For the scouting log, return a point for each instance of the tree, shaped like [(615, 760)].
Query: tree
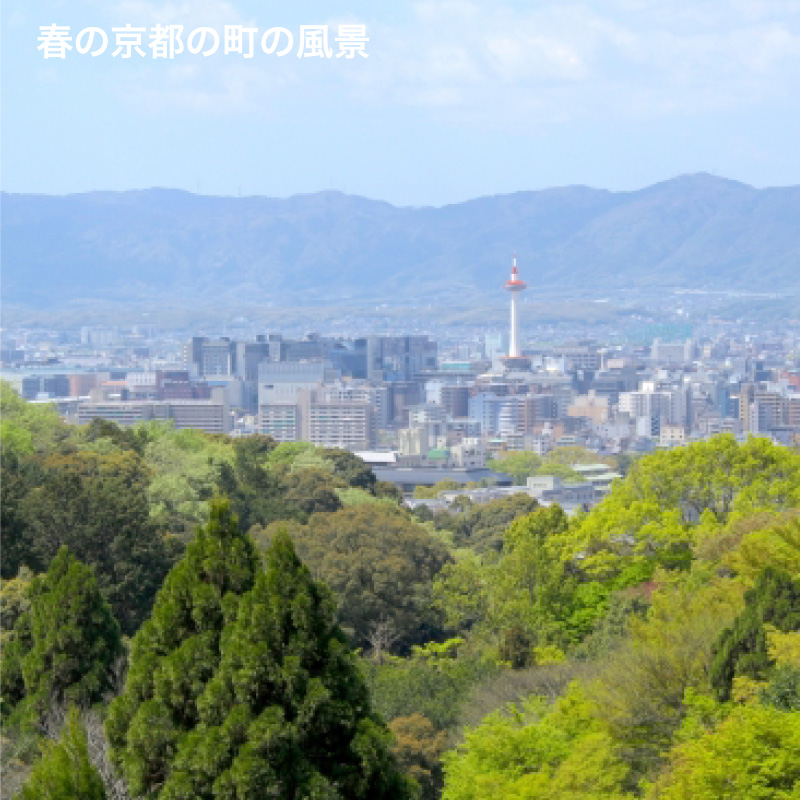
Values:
[(754, 753), (96, 504), (742, 648), (461, 593), (185, 469), (64, 771), (287, 713), (774, 541), (385, 489), (574, 454), (310, 491), (671, 499), (537, 752), (518, 465), (639, 690), (482, 527), (15, 540), (380, 565), (175, 653), (14, 599), (432, 492), (255, 485), (783, 690), (433, 681), (350, 468), (528, 587), (28, 428), (64, 649), (558, 470), (418, 748), (123, 438)]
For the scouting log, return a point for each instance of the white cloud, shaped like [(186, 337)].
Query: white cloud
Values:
[(581, 59), (485, 62)]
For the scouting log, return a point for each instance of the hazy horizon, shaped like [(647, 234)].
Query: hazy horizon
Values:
[(555, 187)]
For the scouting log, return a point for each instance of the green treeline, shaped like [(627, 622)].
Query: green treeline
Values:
[(187, 615)]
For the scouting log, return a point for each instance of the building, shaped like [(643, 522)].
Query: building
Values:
[(399, 358), (331, 423), (515, 285), (281, 421), (212, 416)]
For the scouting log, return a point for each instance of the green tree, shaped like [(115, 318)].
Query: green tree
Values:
[(742, 648), (15, 539), (123, 438), (350, 468), (64, 648), (175, 653), (15, 599), (28, 428), (380, 565), (559, 470), (310, 491), (185, 467), (255, 482), (385, 489), (639, 689), (286, 713), (482, 527), (783, 690), (432, 492), (529, 585), (64, 771), (754, 753), (461, 592), (573, 455), (519, 465), (96, 504), (537, 751), (433, 681), (774, 541), (671, 499)]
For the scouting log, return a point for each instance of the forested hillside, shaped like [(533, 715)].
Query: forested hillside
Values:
[(193, 616), (159, 245)]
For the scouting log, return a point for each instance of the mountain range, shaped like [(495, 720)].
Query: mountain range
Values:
[(159, 246)]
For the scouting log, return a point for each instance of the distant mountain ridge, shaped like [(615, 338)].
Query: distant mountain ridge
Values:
[(163, 245)]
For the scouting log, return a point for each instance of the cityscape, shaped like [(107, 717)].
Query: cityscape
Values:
[(400, 401), (420, 409)]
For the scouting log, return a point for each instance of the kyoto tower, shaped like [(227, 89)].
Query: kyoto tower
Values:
[(514, 285)]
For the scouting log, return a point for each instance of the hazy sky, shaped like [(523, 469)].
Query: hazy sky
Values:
[(457, 99)]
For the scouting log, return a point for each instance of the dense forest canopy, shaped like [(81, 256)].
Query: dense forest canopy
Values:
[(189, 615)]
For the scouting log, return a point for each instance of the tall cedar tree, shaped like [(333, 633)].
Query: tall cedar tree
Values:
[(742, 648), (64, 648), (287, 713), (176, 652), (64, 772)]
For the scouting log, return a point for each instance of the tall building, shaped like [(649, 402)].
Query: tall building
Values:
[(399, 358), (349, 425), (514, 285), (205, 357)]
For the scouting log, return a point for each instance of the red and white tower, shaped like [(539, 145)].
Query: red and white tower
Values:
[(514, 285)]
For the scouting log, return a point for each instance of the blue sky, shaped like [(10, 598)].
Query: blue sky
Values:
[(458, 99)]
